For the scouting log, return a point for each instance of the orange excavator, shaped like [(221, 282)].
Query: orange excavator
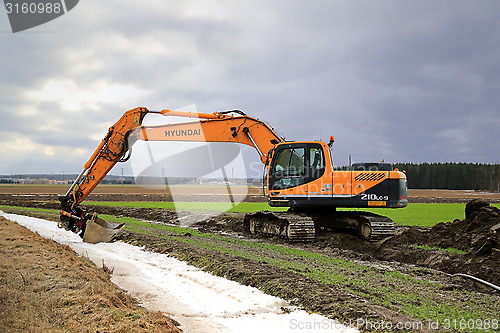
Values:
[(299, 175)]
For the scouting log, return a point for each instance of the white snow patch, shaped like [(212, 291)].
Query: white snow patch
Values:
[(199, 301)]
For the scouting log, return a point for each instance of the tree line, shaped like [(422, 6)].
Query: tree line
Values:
[(452, 176)]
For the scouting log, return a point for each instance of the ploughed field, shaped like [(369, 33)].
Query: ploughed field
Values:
[(407, 279)]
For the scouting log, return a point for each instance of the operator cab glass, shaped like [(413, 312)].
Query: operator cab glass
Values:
[(296, 164)]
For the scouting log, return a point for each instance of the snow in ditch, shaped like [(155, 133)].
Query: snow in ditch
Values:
[(199, 301)]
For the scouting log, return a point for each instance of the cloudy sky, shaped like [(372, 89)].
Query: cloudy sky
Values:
[(400, 80)]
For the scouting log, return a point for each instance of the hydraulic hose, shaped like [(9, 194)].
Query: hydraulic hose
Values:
[(241, 113), (486, 283)]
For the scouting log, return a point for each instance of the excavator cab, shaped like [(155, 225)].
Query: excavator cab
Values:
[(301, 174)]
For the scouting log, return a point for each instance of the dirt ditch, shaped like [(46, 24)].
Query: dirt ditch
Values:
[(477, 238)]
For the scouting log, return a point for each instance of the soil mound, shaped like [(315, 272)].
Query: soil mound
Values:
[(478, 236), (478, 233)]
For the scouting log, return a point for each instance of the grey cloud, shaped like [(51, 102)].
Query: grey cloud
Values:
[(401, 80)]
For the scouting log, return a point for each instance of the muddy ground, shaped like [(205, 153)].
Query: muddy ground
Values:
[(415, 252), (409, 246)]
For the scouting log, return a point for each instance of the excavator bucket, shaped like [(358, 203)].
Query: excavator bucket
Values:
[(97, 230)]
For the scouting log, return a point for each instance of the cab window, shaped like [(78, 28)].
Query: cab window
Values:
[(317, 163), (290, 162), (294, 166)]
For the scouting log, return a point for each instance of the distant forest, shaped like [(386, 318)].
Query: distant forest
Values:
[(452, 176)]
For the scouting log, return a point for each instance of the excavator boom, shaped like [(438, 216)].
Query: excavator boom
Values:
[(217, 127)]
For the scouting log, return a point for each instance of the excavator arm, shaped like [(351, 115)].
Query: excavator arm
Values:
[(110, 151), (226, 126)]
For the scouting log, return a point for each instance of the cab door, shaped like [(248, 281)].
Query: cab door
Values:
[(299, 170), (288, 170), (319, 179)]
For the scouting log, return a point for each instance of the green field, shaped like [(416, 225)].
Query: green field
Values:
[(417, 214), (243, 207)]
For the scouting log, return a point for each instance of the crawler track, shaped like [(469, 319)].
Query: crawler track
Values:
[(381, 227), (301, 227), (294, 227), (368, 226)]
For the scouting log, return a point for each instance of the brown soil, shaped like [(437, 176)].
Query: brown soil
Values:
[(45, 286), (134, 189), (478, 236), (451, 196)]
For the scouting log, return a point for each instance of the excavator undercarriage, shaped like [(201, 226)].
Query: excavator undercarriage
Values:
[(297, 225)]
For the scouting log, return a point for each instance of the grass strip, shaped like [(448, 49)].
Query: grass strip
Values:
[(430, 248), (242, 207)]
